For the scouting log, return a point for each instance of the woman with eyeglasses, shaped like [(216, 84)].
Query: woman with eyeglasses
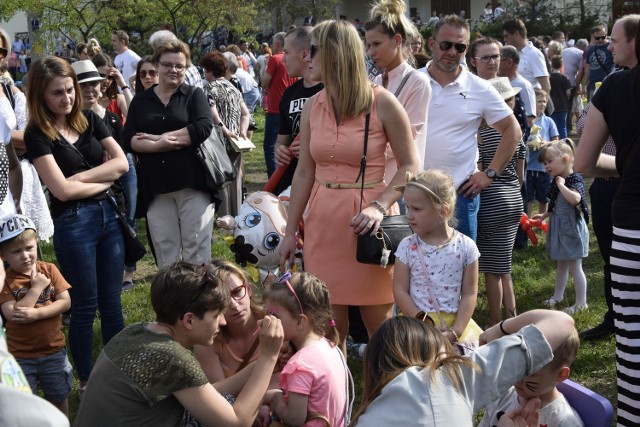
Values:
[(146, 74), (66, 145), (386, 39), (327, 183), (148, 376), (236, 345), (164, 126)]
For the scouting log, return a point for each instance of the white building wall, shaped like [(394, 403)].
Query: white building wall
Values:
[(17, 24)]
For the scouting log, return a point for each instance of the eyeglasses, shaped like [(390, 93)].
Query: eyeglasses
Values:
[(488, 58), (313, 50), (3, 51), (151, 73), (446, 45), (169, 66), (209, 279), (239, 292), (600, 38), (285, 279)]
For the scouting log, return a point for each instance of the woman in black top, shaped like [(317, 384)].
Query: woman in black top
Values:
[(164, 126), (66, 146)]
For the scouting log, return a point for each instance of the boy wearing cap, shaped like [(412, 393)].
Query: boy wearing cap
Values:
[(33, 299)]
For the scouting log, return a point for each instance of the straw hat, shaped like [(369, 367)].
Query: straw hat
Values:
[(504, 88), (86, 71)]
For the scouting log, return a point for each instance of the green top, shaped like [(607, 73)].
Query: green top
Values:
[(133, 381)]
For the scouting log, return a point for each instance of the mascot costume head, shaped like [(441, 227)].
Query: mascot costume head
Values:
[(257, 232)]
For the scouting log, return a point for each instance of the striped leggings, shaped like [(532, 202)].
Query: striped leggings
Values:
[(625, 276)]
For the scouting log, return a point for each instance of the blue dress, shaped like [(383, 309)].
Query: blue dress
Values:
[(568, 235)]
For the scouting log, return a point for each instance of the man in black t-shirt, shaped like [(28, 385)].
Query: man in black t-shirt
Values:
[(297, 47)]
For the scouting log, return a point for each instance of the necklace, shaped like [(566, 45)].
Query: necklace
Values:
[(431, 248)]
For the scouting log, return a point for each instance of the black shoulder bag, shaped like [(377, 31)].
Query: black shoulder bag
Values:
[(379, 247)]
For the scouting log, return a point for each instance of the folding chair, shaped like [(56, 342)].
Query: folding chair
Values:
[(595, 410)]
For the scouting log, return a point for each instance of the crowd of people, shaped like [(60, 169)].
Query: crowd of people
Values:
[(462, 143)]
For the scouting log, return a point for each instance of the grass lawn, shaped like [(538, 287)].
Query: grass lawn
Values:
[(533, 274)]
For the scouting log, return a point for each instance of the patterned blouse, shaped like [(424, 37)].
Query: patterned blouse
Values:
[(227, 100)]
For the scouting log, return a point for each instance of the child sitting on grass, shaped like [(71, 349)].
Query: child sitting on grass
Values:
[(554, 408), (33, 299)]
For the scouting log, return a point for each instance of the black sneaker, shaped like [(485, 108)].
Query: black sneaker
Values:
[(599, 332)]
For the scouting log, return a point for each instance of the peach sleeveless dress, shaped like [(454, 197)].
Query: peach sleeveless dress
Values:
[(329, 242)]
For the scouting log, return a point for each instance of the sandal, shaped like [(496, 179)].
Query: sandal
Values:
[(551, 302)]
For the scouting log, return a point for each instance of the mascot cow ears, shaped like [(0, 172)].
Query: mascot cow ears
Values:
[(258, 230)]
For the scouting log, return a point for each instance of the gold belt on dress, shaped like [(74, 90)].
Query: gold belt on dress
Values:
[(343, 185)]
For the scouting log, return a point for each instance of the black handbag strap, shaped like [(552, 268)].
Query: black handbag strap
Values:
[(363, 160), (403, 82)]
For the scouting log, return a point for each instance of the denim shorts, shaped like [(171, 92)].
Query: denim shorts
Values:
[(53, 373), (538, 184)]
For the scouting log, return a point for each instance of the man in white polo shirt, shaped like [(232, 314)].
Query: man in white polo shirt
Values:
[(460, 100), (533, 66)]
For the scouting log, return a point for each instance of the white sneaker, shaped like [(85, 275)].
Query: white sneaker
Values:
[(576, 308), (551, 302)]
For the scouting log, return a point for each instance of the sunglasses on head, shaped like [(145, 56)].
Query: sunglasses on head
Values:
[(151, 73), (209, 280), (600, 38), (446, 45)]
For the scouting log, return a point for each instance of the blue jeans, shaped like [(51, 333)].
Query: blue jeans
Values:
[(251, 98), (53, 373), (467, 215), (89, 247), (129, 183), (271, 128), (560, 119)]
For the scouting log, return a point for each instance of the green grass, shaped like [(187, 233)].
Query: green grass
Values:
[(533, 275)]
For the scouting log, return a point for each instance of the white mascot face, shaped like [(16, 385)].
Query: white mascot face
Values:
[(259, 229)]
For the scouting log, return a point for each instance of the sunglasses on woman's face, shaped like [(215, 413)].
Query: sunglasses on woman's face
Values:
[(313, 50), (150, 73), (3, 52), (105, 77)]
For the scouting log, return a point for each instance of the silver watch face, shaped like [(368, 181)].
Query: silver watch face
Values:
[(491, 173)]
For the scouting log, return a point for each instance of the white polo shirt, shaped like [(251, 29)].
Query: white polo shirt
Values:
[(455, 114), (532, 64), (527, 95)]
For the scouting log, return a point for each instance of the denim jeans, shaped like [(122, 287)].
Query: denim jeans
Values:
[(560, 119), (89, 247), (467, 215), (251, 99), (129, 183), (271, 128)]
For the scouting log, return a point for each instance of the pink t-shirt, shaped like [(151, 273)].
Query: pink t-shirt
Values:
[(318, 371)]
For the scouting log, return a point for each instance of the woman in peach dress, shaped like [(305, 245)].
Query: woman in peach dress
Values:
[(326, 180)]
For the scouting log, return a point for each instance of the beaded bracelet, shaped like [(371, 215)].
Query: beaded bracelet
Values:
[(376, 204)]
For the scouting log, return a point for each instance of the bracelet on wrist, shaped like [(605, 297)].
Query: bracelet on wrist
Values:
[(376, 204), (125, 87), (502, 328), (454, 334)]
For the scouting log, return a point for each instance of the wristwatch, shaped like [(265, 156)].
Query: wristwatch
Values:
[(491, 173)]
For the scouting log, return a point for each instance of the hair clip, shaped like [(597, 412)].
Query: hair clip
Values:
[(332, 323), (285, 276)]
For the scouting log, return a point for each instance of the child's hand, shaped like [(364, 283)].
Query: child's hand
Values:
[(264, 417), (493, 333), (38, 280), (25, 314), (278, 405), (540, 217), (559, 180)]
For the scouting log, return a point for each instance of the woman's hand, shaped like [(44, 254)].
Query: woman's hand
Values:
[(117, 76), (525, 415), (367, 221), (271, 336), (287, 251)]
